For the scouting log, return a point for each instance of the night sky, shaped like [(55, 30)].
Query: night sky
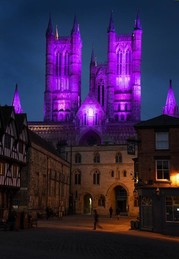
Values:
[(22, 45)]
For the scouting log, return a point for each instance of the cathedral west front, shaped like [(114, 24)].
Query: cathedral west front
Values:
[(92, 134)]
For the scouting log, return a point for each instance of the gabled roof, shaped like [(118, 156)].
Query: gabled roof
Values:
[(6, 113), (90, 101), (160, 121)]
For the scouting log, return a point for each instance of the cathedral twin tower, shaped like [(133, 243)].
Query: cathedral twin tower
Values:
[(114, 96)]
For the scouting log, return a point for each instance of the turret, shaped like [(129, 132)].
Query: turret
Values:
[(16, 101), (76, 63), (111, 65), (136, 65), (92, 72), (49, 71), (171, 107)]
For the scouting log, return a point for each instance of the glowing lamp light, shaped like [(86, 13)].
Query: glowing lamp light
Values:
[(90, 112)]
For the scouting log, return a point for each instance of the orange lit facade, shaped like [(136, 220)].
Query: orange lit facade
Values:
[(157, 174)]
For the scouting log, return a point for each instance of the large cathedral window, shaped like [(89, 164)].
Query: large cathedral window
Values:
[(119, 62), (101, 92), (128, 62), (58, 63), (66, 67)]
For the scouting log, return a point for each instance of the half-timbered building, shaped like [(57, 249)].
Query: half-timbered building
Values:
[(14, 141)]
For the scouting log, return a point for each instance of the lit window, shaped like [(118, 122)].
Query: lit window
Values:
[(172, 208), (162, 140), (162, 170)]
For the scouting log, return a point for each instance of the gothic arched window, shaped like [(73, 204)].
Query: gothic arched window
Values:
[(101, 201), (128, 62), (58, 63), (66, 67), (118, 157), (101, 93), (119, 62), (96, 177)]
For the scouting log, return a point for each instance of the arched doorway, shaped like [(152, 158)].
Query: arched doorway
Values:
[(120, 199), (87, 204)]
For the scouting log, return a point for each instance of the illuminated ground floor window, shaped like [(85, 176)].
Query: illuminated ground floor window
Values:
[(172, 208)]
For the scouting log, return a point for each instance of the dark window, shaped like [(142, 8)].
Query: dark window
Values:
[(78, 158), (96, 158), (21, 145), (7, 142), (118, 158), (96, 178), (78, 178)]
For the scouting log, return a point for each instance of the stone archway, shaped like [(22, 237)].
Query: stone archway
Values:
[(87, 204), (120, 199)]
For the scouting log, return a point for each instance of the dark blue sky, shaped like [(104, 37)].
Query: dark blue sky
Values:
[(22, 45)]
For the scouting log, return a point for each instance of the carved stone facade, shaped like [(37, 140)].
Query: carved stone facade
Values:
[(102, 176)]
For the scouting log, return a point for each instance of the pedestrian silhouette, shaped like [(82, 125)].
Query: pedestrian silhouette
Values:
[(96, 220), (110, 212)]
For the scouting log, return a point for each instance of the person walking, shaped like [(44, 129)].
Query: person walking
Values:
[(110, 212), (96, 219)]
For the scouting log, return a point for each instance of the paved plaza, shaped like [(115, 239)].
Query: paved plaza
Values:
[(73, 237)]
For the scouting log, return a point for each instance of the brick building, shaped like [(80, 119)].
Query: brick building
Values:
[(157, 174)]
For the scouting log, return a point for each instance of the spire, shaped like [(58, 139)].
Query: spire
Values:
[(16, 101), (49, 30), (171, 107), (56, 33), (75, 28), (111, 27), (93, 59), (137, 25)]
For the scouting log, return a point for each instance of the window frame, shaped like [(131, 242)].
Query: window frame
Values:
[(161, 140), (163, 170)]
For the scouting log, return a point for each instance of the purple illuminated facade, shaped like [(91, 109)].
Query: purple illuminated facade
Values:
[(16, 101), (63, 74), (113, 104), (171, 107)]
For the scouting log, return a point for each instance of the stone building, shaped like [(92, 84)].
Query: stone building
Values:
[(102, 176), (45, 180), (104, 119)]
